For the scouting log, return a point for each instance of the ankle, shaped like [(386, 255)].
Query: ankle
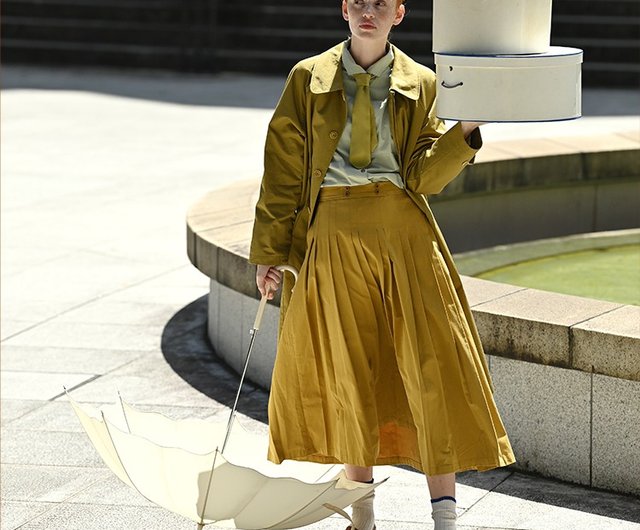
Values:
[(443, 513), (362, 511)]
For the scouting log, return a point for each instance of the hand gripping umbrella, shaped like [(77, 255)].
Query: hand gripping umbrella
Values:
[(180, 466)]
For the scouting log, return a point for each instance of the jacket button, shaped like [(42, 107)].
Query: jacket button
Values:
[(317, 173), (333, 135)]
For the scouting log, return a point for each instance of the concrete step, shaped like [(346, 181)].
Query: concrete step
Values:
[(269, 37), (133, 32), (595, 27), (92, 54), (144, 11), (596, 7)]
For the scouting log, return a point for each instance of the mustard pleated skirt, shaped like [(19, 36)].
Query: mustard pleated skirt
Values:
[(376, 363)]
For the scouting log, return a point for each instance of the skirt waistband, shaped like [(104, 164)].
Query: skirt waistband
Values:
[(332, 193)]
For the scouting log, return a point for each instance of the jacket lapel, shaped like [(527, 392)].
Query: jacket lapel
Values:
[(404, 75), (327, 73)]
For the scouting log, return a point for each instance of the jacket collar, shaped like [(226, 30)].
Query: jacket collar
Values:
[(327, 73)]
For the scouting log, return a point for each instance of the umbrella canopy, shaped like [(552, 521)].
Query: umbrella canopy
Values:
[(177, 464)]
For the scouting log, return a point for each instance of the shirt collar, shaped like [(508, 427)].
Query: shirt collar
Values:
[(327, 75), (376, 69)]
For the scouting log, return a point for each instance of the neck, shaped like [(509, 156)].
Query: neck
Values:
[(366, 53)]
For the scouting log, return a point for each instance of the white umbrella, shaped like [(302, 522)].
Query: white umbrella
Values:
[(180, 465)]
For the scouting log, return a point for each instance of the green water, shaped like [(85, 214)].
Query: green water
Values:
[(606, 274)]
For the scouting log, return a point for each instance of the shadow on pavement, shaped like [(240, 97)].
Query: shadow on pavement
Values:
[(186, 348)]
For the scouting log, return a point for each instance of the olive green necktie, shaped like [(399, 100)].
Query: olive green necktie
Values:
[(364, 137)]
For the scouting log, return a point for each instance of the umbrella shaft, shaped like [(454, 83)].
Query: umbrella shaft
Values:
[(235, 404)]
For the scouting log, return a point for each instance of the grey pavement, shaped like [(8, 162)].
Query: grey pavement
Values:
[(98, 170)]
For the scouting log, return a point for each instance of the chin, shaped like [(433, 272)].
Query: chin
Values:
[(367, 33)]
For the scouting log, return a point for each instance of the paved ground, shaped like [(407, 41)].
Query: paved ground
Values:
[(98, 170)]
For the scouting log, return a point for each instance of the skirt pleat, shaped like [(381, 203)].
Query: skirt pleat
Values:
[(376, 362)]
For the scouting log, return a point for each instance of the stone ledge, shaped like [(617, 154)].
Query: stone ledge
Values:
[(555, 329), (609, 344), (536, 162)]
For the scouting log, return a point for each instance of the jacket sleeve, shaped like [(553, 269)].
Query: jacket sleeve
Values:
[(281, 188), (439, 156)]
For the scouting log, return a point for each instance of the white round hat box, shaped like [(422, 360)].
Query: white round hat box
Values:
[(510, 88), (479, 27)]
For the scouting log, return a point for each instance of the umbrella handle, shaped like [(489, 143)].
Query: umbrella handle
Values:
[(263, 300), (253, 331)]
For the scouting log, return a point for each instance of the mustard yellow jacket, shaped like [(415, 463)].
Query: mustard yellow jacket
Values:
[(304, 133)]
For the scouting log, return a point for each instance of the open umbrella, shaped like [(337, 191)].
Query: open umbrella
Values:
[(180, 465)]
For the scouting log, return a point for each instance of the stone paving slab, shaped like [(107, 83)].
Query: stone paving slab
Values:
[(24, 257), (108, 311), (34, 310), (39, 385), (562, 494), (505, 511), (109, 491), (82, 516), (12, 409), (90, 336), (51, 416), (40, 483), (14, 514), (65, 359), (47, 448), (11, 327)]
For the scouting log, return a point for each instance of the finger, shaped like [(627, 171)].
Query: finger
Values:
[(262, 286)]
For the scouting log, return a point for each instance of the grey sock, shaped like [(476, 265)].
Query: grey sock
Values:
[(362, 514), (443, 513)]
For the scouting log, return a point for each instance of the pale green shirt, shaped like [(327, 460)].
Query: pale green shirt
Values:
[(384, 160)]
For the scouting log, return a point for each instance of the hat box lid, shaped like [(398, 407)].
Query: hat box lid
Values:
[(555, 56)]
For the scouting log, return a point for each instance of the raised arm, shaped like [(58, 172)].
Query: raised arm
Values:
[(440, 155)]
